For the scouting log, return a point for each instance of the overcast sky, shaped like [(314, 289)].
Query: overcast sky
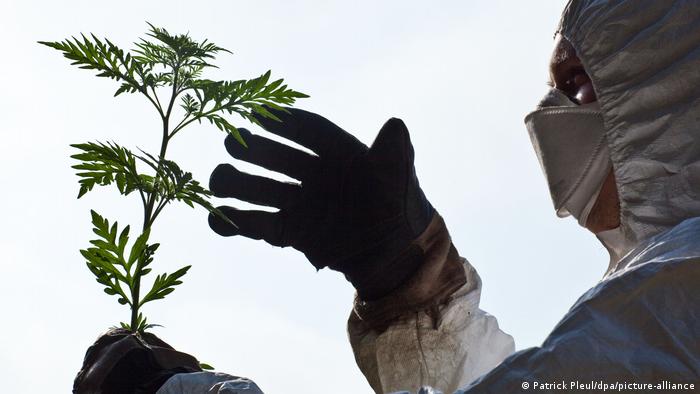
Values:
[(461, 74)]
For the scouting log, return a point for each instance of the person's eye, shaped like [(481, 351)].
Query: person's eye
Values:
[(571, 81)]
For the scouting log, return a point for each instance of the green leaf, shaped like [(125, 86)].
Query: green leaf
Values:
[(138, 248), (102, 164), (164, 284), (247, 98), (106, 258), (106, 58), (223, 125)]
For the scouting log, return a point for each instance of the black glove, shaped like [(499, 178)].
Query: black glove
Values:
[(356, 210), (123, 362)]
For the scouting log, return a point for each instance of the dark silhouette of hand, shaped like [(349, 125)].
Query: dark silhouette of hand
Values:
[(355, 209)]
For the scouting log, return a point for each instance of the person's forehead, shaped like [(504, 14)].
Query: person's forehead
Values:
[(563, 53)]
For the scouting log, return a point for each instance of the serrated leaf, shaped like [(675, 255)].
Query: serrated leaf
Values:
[(164, 284), (138, 247), (101, 164)]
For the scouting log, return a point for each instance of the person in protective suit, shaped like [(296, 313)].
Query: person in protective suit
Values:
[(618, 138)]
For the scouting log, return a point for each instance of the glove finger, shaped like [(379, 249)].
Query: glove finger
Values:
[(250, 224), (271, 155), (393, 141), (392, 158), (392, 151), (227, 181), (314, 132)]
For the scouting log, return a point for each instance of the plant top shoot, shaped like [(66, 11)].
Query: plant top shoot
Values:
[(165, 69)]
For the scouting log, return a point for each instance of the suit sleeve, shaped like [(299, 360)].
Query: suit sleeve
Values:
[(444, 348)]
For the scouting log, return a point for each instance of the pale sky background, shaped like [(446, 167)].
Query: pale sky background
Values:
[(461, 74)]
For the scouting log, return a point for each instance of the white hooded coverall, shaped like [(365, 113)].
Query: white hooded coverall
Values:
[(641, 323)]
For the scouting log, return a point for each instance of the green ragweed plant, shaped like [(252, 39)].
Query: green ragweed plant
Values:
[(165, 69)]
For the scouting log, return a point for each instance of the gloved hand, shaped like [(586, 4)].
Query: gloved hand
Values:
[(124, 362), (357, 210)]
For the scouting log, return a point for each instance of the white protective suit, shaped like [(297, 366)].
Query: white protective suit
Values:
[(208, 383), (641, 323)]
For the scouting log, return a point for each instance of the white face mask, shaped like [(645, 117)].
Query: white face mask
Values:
[(570, 143), (572, 149)]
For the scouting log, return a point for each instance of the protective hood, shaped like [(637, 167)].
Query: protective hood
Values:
[(643, 57)]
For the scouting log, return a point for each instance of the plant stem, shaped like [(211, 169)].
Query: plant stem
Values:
[(149, 215)]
